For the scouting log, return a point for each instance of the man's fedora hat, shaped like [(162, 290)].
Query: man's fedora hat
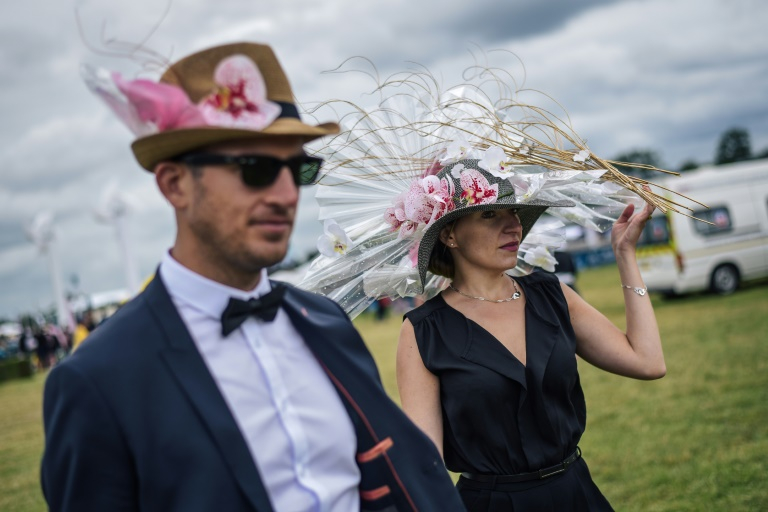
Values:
[(233, 92)]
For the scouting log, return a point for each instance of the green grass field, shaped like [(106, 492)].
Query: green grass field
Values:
[(696, 440)]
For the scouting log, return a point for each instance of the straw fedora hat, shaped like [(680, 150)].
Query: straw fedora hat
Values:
[(232, 92)]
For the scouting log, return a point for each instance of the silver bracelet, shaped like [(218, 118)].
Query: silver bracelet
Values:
[(638, 290)]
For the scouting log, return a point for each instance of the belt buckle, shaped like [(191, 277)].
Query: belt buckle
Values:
[(554, 470)]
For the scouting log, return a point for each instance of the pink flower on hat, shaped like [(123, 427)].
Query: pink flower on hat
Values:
[(240, 100), (440, 194), (476, 189), (395, 215), (434, 168), (163, 106), (424, 202)]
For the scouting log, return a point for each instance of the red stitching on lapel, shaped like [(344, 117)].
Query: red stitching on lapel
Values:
[(371, 431), (376, 451), (375, 494)]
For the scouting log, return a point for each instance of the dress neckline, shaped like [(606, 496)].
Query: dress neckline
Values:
[(490, 335)]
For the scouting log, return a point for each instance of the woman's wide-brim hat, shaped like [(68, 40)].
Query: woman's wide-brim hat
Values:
[(233, 92), (528, 211), (427, 155)]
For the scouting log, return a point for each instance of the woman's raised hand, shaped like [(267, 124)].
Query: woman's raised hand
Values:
[(627, 228)]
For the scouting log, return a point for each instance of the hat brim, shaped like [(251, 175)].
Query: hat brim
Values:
[(528, 213), (153, 149)]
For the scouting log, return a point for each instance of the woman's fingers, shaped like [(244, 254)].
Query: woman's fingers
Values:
[(648, 208), (626, 214)]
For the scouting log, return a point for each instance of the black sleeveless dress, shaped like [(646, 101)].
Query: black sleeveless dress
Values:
[(501, 417)]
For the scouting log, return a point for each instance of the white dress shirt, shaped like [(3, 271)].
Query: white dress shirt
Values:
[(291, 416)]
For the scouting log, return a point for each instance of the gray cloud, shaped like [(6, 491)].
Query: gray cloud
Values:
[(666, 75)]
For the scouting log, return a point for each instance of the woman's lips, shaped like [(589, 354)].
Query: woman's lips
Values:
[(511, 246)]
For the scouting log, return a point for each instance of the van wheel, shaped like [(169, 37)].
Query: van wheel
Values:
[(725, 280)]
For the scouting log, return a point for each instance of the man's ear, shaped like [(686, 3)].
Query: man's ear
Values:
[(175, 183)]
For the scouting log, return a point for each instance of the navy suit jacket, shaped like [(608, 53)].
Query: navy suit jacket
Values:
[(135, 421)]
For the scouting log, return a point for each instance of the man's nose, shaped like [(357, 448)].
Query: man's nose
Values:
[(284, 189)]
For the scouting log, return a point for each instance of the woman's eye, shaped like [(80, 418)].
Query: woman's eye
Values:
[(488, 215)]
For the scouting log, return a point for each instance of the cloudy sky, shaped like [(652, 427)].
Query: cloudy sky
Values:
[(667, 75)]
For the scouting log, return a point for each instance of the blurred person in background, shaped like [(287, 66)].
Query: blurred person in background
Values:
[(83, 328)]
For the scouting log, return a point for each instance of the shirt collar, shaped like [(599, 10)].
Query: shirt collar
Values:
[(201, 293)]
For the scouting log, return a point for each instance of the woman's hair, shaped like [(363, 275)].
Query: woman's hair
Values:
[(441, 259)]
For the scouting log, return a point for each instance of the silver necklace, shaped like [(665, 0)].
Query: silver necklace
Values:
[(514, 296)]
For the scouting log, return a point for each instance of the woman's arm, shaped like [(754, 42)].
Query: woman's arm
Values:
[(419, 388), (636, 353)]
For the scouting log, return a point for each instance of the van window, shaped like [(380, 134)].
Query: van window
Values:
[(656, 232), (720, 218)]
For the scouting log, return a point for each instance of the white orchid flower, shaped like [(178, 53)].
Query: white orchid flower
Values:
[(539, 257), (334, 241), (456, 171), (495, 162), (581, 156), (526, 187), (456, 150)]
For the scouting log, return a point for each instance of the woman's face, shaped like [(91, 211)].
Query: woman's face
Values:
[(485, 239)]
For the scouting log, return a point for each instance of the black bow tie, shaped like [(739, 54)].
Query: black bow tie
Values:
[(265, 307)]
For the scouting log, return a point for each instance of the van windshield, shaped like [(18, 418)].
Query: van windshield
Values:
[(656, 232)]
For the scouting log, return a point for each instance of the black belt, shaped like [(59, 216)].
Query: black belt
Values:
[(522, 477)]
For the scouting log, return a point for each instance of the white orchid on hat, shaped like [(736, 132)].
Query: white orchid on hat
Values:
[(400, 172), (334, 241)]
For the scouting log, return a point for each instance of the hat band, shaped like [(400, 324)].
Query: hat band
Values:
[(288, 110)]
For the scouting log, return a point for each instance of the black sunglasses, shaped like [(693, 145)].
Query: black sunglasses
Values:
[(261, 170)]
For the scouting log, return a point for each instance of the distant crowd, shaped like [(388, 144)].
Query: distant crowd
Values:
[(45, 343)]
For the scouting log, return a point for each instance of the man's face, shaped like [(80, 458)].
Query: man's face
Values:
[(236, 228)]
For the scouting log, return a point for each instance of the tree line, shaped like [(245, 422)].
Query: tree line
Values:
[(734, 146)]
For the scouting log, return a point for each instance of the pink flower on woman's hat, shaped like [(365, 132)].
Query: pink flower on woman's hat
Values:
[(395, 215), (418, 207), (439, 193), (476, 189), (426, 200)]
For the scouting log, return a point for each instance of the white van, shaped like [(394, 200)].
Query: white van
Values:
[(679, 255)]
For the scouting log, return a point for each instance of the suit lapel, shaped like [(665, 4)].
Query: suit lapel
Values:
[(350, 374), (187, 365), (324, 334)]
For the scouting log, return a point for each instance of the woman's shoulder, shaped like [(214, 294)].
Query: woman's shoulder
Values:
[(431, 307), (543, 291), (540, 277), (542, 285)]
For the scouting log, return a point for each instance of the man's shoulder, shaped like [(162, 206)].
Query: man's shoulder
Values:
[(127, 330)]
